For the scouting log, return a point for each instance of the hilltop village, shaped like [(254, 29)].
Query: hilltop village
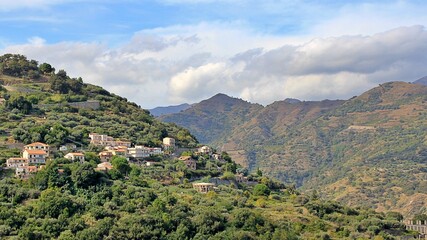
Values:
[(36, 155)]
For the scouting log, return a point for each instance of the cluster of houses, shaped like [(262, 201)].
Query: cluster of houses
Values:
[(123, 148), (35, 155)]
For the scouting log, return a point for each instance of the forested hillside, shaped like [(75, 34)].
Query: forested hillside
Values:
[(39, 104), (369, 150), (150, 199)]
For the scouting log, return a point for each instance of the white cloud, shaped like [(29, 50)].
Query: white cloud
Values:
[(189, 63)]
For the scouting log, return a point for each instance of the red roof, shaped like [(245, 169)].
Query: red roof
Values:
[(36, 152)]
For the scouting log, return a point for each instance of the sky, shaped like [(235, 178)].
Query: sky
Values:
[(168, 52)]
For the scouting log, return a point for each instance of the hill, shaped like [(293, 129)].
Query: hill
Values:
[(366, 151), (159, 111), (159, 199), (37, 104), (214, 118)]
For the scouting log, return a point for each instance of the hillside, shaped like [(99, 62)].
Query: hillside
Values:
[(369, 150), (37, 104), (214, 118), (158, 198)]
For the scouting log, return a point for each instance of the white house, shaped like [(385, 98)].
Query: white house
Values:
[(168, 142), (75, 156), (35, 156), (204, 149), (16, 162), (38, 146), (139, 152)]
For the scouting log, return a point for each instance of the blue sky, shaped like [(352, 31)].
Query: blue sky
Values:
[(168, 52)]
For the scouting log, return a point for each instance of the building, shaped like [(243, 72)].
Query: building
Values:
[(105, 140), (105, 156), (216, 156), (105, 166), (240, 178), (168, 143), (75, 156), (35, 156), (203, 187), (38, 146), (189, 162), (16, 162), (139, 152), (204, 150), (25, 171)]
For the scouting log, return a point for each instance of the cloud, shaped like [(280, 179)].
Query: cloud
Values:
[(178, 64)]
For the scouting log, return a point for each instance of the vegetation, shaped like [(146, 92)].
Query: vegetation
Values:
[(40, 109), (367, 151)]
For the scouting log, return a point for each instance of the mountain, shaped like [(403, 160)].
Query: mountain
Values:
[(214, 118), (367, 151), (68, 199), (422, 81), (159, 111)]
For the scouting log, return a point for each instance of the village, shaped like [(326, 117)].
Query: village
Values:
[(34, 157)]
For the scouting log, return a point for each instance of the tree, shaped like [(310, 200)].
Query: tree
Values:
[(20, 103), (84, 176), (46, 68), (121, 164), (261, 190)]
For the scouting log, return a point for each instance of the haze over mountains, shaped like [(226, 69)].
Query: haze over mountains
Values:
[(369, 150), (159, 111)]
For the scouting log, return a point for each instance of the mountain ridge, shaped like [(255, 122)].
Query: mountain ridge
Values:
[(316, 144)]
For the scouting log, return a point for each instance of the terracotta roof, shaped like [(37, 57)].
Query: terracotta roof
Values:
[(36, 152), (36, 144), (104, 165)]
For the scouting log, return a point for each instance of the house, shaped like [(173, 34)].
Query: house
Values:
[(240, 178), (203, 187), (168, 143), (138, 152), (35, 156), (155, 151), (105, 140), (191, 163), (25, 171), (64, 148), (204, 150), (16, 162), (105, 156), (75, 156), (105, 166), (119, 152), (216, 156), (38, 146), (100, 139)]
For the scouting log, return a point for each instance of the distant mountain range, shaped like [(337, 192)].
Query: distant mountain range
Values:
[(369, 150), (422, 81), (159, 111)]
